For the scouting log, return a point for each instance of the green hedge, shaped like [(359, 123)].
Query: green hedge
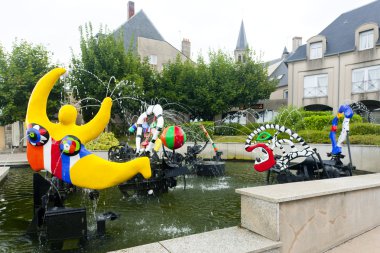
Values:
[(315, 136), (103, 142), (364, 129), (290, 116), (194, 132), (315, 113), (369, 139), (322, 122)]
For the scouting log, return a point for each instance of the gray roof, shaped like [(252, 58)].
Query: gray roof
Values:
[(340, 34), (281, 72), (242, 43), (138, 26)]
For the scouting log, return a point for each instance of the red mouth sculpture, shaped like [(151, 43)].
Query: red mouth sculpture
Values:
[(261, 164)]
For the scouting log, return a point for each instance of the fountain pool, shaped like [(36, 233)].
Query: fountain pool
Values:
[(206, 204)]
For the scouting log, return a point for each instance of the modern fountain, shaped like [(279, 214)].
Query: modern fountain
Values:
[(58, 148), (313, 167)]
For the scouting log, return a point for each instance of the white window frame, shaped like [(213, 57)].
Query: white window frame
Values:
[(153, 59), (315, 86), (366, 79), (366, 40), (316, 50)]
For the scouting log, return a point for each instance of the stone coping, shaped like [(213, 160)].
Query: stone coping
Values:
[(3, 172), (227, 240), (301, 190)]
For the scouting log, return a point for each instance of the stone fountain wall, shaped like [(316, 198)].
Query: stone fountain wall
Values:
[(312, 216), (364, 157)]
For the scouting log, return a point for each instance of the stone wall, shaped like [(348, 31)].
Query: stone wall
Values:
[(312, 216)]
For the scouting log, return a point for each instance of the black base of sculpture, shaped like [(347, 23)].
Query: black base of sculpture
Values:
[(164, 176), (56, 226), (209, 168), (313, 168)]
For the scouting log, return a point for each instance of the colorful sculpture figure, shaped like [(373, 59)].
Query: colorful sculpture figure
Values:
[(58, 147), (157, 111), (346, 111), (209, 138), (267, 159), (173, 137)]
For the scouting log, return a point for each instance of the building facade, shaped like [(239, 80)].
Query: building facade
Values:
[(140, 35), (339, 65)]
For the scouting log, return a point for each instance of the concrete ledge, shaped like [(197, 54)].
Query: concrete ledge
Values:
[(308, 189), (313, 216), (152, 247), (228, 240), (3, 173), (14, 164)]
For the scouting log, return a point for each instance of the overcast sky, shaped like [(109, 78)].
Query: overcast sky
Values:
[(209, 24)]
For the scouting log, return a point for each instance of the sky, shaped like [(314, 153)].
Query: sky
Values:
[(270, 25)]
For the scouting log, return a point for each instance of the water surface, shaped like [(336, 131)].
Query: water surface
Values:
[(206, 204)]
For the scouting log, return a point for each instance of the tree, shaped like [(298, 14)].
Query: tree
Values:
[(217, 87), (20, 71), (103, 69), (3, 69), (253, 82)]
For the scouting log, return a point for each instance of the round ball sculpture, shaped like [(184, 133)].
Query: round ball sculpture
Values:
[(173, 137)]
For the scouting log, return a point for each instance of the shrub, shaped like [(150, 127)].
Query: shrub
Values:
[(299, 119), (364, 128), (290, 117), (194, 132), (253, 126), (103, 142), (315, 136), (324, 122), (315, 113), (228, 129), (317, 122), (369, 139)]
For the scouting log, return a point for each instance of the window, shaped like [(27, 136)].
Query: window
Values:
[(366, 40), (280, 76), (153, 59), (285, 95), (366, 79), (315, 86), (316, 50)]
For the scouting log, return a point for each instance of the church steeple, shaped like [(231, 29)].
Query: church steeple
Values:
[(241, 45), (285, 53)]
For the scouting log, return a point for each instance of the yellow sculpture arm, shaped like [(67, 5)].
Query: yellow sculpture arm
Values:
[(95, 127), (36, 112)]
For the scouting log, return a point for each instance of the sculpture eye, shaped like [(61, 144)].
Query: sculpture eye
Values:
[(70, 145), (37, 135)]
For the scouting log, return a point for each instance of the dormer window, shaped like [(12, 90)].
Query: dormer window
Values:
[(316, 47), (316, 50), (366, 36), (366, 40)]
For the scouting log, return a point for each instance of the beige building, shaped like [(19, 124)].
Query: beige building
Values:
[(141, 36), (339, 65)]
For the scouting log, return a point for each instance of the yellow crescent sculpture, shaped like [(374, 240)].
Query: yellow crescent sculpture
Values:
[(58, 147)]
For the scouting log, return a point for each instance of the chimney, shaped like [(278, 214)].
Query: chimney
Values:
[(131, 9), (186, 45), (297, 41)]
